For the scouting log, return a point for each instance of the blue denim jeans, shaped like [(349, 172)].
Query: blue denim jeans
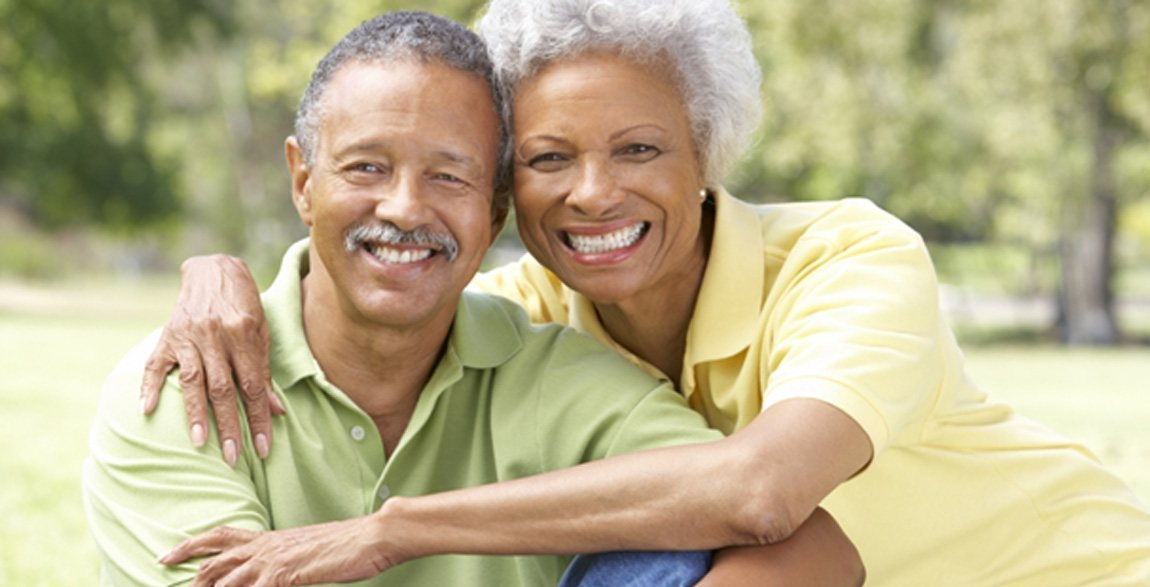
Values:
[(637, 569)]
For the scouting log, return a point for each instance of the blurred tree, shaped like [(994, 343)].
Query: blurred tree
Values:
[(75, 109), (237, 101), (1027, 122)]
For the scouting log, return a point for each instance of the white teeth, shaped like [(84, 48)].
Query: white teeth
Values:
[(399, 256), (611, 241)]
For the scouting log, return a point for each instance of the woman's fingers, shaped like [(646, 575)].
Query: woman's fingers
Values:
[(160, 363), (210, 542), (194, 392), (254, 377)]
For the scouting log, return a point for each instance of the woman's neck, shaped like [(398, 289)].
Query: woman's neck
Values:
[(653, 323)]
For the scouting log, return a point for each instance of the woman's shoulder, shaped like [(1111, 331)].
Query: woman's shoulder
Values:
[(843, 222), (527, 283)]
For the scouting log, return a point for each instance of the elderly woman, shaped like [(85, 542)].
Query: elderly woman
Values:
[(809, 333)]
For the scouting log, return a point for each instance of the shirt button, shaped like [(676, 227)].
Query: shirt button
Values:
[(384, 493), (357, 433)]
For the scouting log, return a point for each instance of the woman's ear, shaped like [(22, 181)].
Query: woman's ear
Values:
[(300, 179)]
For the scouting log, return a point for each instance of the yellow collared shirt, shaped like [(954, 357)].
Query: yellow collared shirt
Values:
[(838, 301)]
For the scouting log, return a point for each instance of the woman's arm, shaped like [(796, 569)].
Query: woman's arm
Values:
[(753, 488), (818, 554), (218, 338)]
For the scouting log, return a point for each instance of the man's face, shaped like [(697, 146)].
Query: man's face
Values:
[(399, 197)]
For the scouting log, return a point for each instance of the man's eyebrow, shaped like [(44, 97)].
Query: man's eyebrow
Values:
[(457, 157), (360, 147), (367, 146)]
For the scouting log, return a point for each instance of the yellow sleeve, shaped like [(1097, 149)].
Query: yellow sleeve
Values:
[(528, 284), (856, 323)]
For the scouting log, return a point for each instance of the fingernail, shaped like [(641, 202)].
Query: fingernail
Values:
[(278, 403), (230, 452), (262, 445), (199, 437), (143, 405), (163, 560)]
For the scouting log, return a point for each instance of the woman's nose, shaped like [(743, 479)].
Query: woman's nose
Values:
[(595, 192)]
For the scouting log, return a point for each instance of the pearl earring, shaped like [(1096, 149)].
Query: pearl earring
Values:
[(703, 195)]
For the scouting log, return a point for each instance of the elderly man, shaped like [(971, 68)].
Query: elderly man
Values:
[(396, 382)]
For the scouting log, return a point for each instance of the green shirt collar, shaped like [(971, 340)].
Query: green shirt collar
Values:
[(481, 337)]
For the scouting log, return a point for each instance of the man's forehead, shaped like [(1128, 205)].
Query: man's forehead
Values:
[(444, 112)]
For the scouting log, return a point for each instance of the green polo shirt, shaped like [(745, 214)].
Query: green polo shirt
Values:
[(508, 399)]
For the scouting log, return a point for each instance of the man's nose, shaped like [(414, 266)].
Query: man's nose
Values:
[(404, 203)]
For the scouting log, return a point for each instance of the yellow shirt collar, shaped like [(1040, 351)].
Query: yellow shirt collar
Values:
[(727, 310)]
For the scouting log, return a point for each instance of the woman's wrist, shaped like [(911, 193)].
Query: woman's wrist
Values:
[(396, 536)]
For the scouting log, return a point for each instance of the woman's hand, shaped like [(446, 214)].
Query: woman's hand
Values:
[(818, 554), (336, 552), (218, 338)]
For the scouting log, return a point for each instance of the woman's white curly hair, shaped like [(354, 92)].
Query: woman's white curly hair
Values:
[(704, 41)]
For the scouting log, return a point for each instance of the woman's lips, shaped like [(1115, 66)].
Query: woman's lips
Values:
[(591, 244)]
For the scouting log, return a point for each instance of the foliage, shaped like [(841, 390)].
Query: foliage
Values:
[(968, 119), (75, 108), (1026, 123)]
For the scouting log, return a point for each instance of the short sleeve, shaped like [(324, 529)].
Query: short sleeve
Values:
[(146, 488), (857, 325)]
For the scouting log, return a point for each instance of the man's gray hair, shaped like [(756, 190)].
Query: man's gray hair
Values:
[(704, 41), (403, 36)]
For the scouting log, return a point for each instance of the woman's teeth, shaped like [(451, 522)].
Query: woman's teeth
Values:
[(602, 243)]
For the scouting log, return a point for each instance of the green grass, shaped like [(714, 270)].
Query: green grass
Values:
[(1097, 396), (57, 344)]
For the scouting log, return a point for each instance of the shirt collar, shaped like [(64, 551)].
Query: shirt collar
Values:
[(291, 358), (726, 312), (483, 334), (727, 309)]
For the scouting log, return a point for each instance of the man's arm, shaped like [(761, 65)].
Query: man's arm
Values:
[(146, 488)]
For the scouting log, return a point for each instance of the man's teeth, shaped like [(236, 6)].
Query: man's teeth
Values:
[(602, 243), (399, 256)]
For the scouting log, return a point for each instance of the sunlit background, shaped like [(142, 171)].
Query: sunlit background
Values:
[(1015, 136)]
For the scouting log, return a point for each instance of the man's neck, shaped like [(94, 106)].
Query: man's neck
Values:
[(382, 369)]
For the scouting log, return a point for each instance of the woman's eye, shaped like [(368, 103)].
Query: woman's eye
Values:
[(547, 161), (640, 151)]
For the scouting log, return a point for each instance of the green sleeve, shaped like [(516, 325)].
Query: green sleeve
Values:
[(146, 488)]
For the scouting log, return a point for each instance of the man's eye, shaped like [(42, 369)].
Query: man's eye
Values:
[(446, 177), (364, 167)]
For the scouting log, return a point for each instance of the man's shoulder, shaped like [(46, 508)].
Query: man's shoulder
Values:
[(122, 384), (541, 344)]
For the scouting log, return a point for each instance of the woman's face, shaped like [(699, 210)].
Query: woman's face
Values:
[(607, 177)]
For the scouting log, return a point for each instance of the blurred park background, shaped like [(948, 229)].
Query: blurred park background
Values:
[(1014, 135)]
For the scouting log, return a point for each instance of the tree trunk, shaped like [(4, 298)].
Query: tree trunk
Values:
[(1086, 297)]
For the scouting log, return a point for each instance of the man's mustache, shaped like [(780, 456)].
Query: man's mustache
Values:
[(389, 234)]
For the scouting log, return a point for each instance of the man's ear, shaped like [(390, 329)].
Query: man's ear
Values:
[(300, 179)]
